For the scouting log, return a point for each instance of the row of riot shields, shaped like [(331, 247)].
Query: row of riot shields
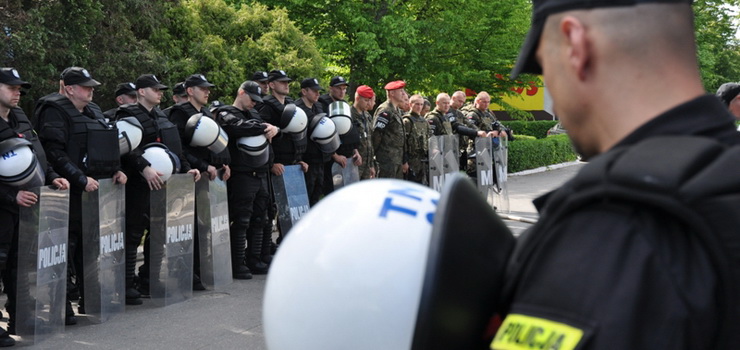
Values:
[(43, 259), (490, 159)]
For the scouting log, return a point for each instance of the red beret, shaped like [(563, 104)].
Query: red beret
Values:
[(395, 85), (365, 91)]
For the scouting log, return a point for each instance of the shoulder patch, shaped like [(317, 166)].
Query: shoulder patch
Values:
[(524, 332)]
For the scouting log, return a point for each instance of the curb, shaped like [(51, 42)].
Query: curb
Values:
[(546, 168)]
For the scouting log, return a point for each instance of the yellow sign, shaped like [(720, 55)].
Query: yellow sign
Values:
[(531, 98), (521, 332)]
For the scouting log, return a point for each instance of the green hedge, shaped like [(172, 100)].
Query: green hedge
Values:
[(529, 154), (537, 128)]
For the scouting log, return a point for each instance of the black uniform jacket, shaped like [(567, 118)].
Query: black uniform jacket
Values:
[(615, 274)]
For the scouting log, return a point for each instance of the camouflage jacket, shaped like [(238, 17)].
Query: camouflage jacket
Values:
[(363, 122), (389, 140), (417, 135)]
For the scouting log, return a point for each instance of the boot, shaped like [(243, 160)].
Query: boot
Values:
[(266, 253), (254, 253), (238, 269), (133, 297)]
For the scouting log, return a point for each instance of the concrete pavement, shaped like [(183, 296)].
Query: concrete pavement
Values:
[(231, 318)]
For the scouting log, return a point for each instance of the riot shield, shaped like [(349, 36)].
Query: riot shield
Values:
[(500, 165), (42, 266), (291, 196), (213, 232), (436, 163), (171, 251), (344, 176), (484, 168), (104, 256), (451, 151)]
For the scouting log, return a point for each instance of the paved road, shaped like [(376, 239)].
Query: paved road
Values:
[(231, 318)]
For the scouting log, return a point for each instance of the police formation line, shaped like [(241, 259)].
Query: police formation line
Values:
[(244, 153)]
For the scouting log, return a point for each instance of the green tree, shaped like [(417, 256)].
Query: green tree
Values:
[(718, 49)]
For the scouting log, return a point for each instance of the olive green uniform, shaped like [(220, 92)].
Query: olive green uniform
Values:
[(363, 122), (417, 138), (389, 141)]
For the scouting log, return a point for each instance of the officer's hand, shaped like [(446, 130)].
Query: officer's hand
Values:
[(26, 199), (270, 131), (277, 169), (60, 183), (304, 166), (481, 133), (227, 172), (340, 159), (493, 133), (211, 170), (92, 185), (372, 172), (405, 168), (120, 178), (357, 158), (152, 178), (196, 174)]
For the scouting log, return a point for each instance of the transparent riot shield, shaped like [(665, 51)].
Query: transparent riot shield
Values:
[(213, 232), (484, 168), (291, 196), (500, 165), (171, 255), (451, 150), (42, 266), (104, 256), (344, 176), (436, 162)]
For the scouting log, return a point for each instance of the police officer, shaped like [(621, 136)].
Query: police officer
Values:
[(201, 158), (179, 95), (613, 263), (349, 141), (125, 94), (313, 156), (417, 139), (81, 147), (261, 78), (286, 151), (248, 189), (15, 125), (362, 122), (729, 93), (142, 177), (388, 136)]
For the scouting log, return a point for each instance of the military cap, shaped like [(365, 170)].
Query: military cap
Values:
[(338, 80), (541, 9), (311, 83), (259, 76), (365, 91), (253, 89), (728, 91), (395, 85), (125, 89), (278, 75), (179, 89)]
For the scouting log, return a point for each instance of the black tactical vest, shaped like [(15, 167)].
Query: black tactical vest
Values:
[(201, 152), (159, 129), (92, 144), (23, 129), (697, 185)]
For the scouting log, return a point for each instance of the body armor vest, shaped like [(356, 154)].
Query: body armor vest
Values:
[(92, 144), (201, 152), (23, 130), (237, 157), (159, 129)]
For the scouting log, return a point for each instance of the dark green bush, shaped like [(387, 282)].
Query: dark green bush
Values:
[(529, 154), (536, 128)]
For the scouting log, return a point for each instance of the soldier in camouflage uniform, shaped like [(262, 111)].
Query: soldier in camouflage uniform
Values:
[(479, 114), (457, 101), (388, 137), (417, 138), (445, 123), (362, 120)]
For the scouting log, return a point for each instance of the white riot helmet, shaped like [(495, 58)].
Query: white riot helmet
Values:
[(341, 115), (293, 119), (256, 147), (130, 133), (203, 131), (19, 166), (323, 131), (162, 159), (399, 271)]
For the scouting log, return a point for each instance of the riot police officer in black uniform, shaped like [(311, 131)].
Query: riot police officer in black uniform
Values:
[(142, 177), (248, 190), (125, 94), (314, 156), (179, 95), (15, 127), (81, 147), (286, 151), (201, 158)]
